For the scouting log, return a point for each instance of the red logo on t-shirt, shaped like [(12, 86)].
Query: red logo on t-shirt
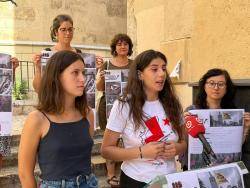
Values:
[(154, 127), (166, 121)]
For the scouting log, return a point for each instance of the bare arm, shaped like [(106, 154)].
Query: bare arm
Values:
[(15, 64), (98, 62), (100, 80), (38, 73), (109, 150), (246, 129), (90, 118), (30, 138)]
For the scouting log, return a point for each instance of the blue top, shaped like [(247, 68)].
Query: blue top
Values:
[(65, 151)]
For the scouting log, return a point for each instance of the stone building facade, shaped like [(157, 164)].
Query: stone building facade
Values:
[(202, 34)]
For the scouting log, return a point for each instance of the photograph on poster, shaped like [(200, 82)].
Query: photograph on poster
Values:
[(5, 81), (197, 161), (111, 99), (45, 55), (112, 76), (225, 119), (5, 103), (124, 84), (223, 178), (90, 80), (89, 60), (5, 61), (124, 74), (108, 109), (91, 100), (113, 88)]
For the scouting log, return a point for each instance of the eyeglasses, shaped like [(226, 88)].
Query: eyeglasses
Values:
[(212, 84), (64, 30)]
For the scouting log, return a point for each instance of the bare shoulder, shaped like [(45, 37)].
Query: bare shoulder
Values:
[(90, 118), (35, 120), (90, 112), (90, 115)]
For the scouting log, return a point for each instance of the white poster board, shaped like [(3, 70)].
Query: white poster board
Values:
[(221, 176), (223, 131), (115, 83), (5, 94)]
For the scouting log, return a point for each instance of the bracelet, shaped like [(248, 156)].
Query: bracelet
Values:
[(140, 152)]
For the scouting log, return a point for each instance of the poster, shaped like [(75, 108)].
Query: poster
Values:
[(5, 94), (45, 55), (115, 83), (223, 131), (90, 86), (221, 176)]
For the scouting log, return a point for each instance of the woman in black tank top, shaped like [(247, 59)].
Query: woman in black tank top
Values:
[(60, 131)]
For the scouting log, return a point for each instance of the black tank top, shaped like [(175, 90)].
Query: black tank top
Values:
[(65, 151)]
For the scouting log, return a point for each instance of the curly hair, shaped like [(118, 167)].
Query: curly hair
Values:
[(51, 95), (56, 24), (135, 95), (227, 101), (120, 38)]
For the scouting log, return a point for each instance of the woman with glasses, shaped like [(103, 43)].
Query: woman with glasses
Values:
[(62, 32), (216, 91)]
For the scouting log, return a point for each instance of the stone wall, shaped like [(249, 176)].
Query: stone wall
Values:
[(202, 34), (25, 29)]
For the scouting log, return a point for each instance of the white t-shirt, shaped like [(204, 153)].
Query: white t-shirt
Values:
[(157, 128)]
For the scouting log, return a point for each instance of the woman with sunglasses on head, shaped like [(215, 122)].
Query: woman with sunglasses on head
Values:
[(216, 91), (59, 133), (62, 32), (149, 118)]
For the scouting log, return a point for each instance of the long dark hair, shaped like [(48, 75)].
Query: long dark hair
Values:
[(136, 97), (57, 23), (51, 94), (227, 101)]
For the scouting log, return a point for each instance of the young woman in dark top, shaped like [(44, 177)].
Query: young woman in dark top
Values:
[(217, 91), (60, 131), (62, 32)]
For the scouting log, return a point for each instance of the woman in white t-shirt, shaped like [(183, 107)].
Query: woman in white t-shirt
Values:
[(149, 118)]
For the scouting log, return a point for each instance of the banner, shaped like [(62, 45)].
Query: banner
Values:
[(223, 131), (5, 94)]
